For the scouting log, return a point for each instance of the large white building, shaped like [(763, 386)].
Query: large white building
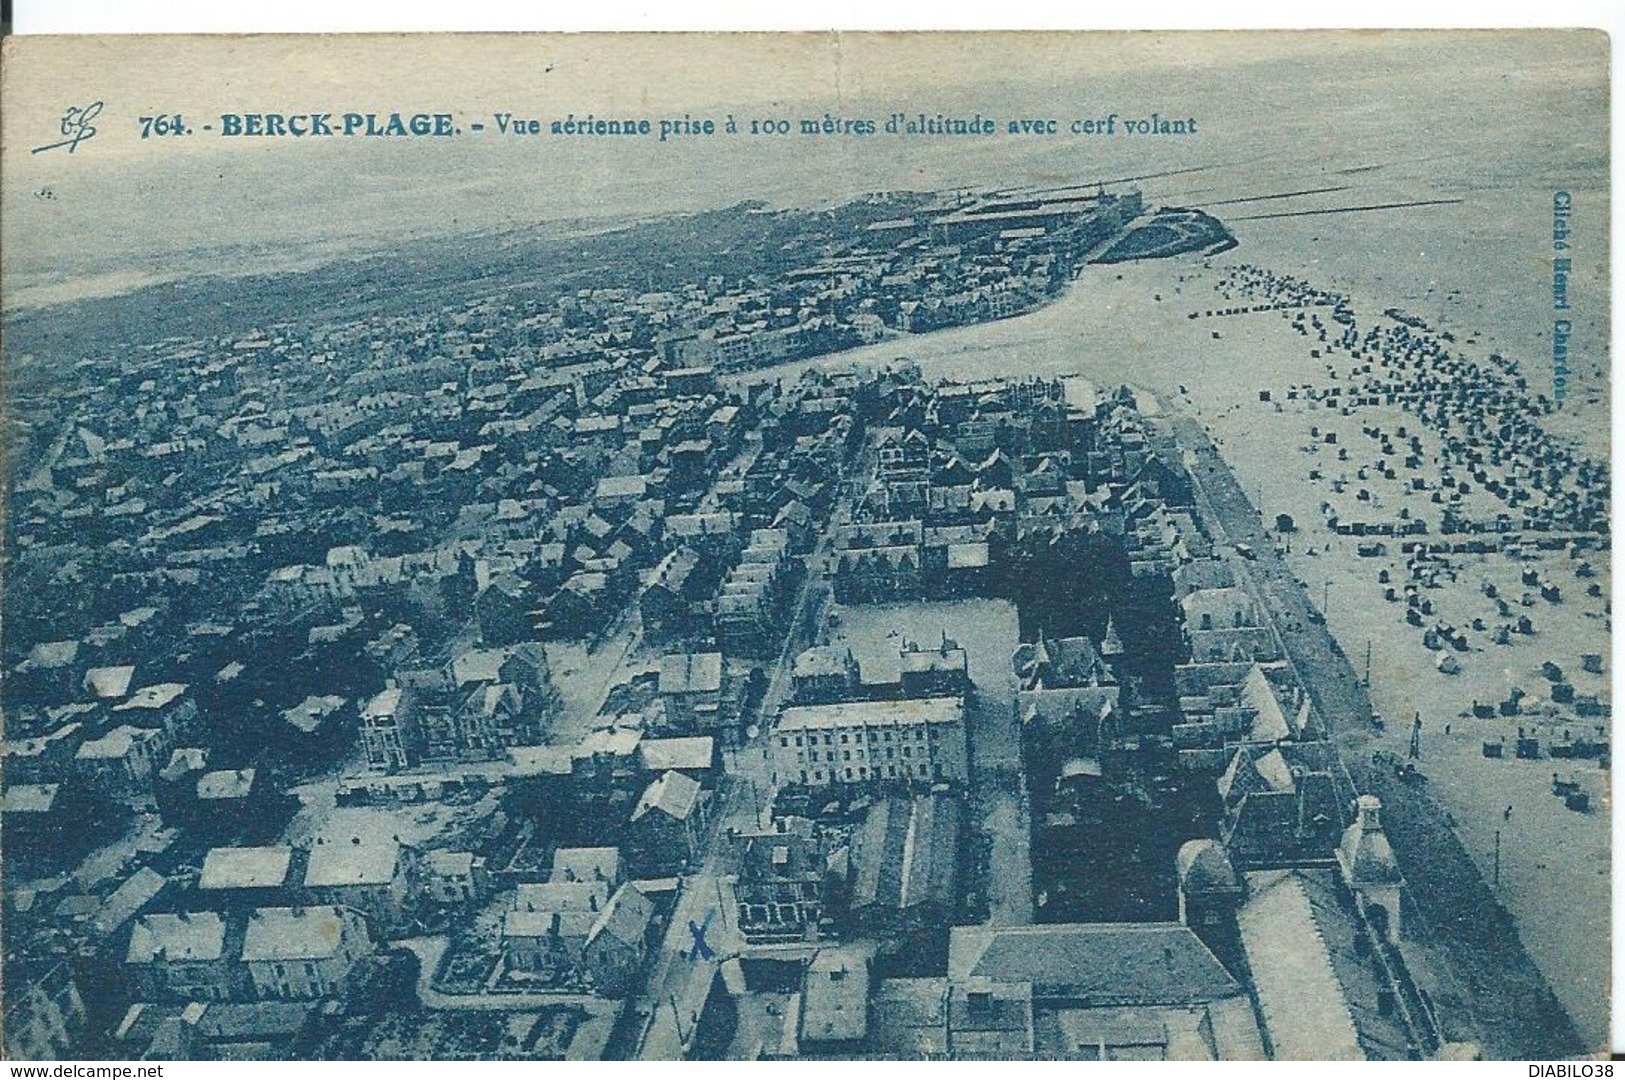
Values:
[(301, 953), (867, 741)]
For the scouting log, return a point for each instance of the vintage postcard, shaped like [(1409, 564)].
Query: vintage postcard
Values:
[(869, 546)]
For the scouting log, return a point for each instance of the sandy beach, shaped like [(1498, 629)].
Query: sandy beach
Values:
[(1130, 324)]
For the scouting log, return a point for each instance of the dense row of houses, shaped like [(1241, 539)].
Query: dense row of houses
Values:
[(585, 926)]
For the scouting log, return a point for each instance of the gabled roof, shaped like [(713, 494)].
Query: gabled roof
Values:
[(133, 894), (1105, 963), (1250, 771), (691, 673), (672, 793), (109, 682), (875, 714), (549, 896), (675, 569), (183, 760), (625, 918), (585, 864), (1271, 723), (1058, 663), (1221, 604), (1275, 771), (1060, 708), (1303, 1005), (906, 854)]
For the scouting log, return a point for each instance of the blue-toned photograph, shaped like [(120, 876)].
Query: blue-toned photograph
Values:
[(1065, 546)]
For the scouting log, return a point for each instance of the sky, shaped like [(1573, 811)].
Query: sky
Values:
[(1273, 109)]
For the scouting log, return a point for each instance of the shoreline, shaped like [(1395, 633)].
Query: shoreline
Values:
[(1159, 349)]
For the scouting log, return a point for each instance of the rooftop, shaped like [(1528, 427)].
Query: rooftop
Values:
[(835, 996), (226, 784), (689, 752), (625, 918), (1107, 963), (672, 793), (116, 743), (525, 923), (582, 895), (937, 710), (449, 863), (822, 660), (622, 487), (245, 867), (152, 697), (30, 798), (691, 673), (1301, 1001), (297, 933), (478, 666), (906, 853), (199, 936), (585, 864), (134, 893), (339, 862), (109, 682), (384, 703)]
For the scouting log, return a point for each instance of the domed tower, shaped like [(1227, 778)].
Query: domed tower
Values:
[(1210, 895), (1369, 869), (1209, 888)]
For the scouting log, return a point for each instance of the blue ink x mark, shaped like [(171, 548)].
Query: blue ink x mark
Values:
[(701, 951)]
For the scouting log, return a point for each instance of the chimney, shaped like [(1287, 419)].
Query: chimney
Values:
[(592, 901), (554, 926)]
